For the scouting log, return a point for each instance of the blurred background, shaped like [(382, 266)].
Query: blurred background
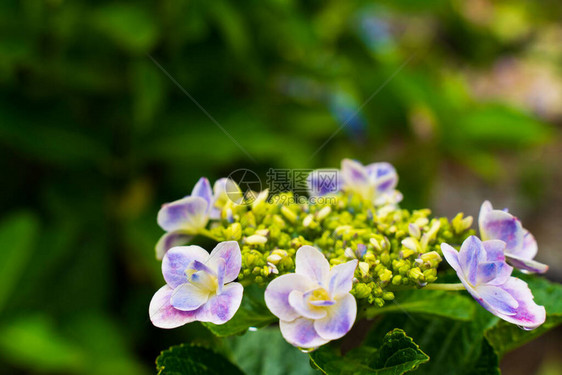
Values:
[(108, 110)]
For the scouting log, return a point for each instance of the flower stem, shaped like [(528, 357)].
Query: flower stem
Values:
[(436, 286)]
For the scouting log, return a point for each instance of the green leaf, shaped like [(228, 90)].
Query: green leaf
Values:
[(434, 302), (456, 347), (193, 360), (270, 354), (505, 337), (18, 233), (501, 126), (132, 27), (398, 354), (252, 313), (33, 342)]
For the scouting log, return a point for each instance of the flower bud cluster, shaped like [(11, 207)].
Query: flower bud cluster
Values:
[(394, 247)]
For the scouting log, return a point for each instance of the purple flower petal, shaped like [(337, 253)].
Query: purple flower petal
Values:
[(354, 172), (528, 315), (452, 257), (339, 320), (310, 262), (229, 253), (177, 260), (298, 302), (277, 294), (169, 240), (301, 333), (221, 268), (189, 296), (494, 250), (221, 307), (187, 214), (163, 315), (529, 249), (203, 190), (493, 273), (500, 225), (471, 254), (324, 181), (341, 278), (496, 300), (526, 265), (383, 175)]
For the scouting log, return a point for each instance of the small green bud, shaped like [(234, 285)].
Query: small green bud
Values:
[(415, 273), (325, 211), (361, 290), (385, 276), (389, 296), (288, 214), (255, 239), (461, 224)]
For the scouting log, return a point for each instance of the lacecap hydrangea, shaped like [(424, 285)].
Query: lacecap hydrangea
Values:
[(323, 260)]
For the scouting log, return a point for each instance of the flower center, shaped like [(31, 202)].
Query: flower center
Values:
[(318, 297)]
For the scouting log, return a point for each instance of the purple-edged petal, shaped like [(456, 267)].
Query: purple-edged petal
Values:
[(383, 175), (298, 302), (221, 307), (471, 254), (339, 320), (189, 296), (494, 250), (221, 267), (528, 315), (187, 214), (500, 225), (203, 190), (485, 209), (310, 262), (324, 181), (229, 253), (341, 278), (452, 257), (177, 260), (163, 314), (526, 265), (169, 240), (529, 248), (496, 300), (354, 173), (277, 294), (301, 333), (493, 273)]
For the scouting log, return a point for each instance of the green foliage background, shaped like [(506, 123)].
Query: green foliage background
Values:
[(94, 136)]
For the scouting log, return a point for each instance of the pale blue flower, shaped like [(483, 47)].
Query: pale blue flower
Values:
[(186, 217), (313, 304), (375, 182), (199, 286), (521, 246), (482, 270)]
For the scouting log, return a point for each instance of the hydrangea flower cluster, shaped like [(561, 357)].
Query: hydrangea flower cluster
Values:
[(320, 259)]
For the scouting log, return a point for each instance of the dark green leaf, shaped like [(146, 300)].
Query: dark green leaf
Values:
[(33, 342), (252, 313), (397, 355), (18, 233), (455, 347), (270, 354), (194, 360)]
